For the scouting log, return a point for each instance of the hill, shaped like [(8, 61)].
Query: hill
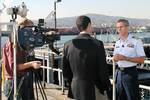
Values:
[(98, 20)]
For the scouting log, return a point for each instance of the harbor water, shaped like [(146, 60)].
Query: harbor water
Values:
[(103, 37)]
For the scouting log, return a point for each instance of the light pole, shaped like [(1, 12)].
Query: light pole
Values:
[(56, 1)]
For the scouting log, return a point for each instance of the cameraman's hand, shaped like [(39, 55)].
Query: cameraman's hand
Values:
[(36, 64)]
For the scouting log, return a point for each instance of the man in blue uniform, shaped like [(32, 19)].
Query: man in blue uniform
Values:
[(128, 52)]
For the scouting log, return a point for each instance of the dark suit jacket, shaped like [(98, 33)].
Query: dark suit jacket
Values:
[(84, 64)]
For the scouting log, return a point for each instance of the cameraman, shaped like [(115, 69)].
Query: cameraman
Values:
[(23, 82)]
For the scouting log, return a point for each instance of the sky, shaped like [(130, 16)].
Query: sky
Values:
[(66, 8)]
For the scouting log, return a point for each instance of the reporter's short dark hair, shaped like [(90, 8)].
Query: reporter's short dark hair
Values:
[(126, 22), (82, 22)]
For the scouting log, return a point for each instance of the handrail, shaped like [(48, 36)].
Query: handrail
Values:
[(144, 87), (147, 61), (44, 51), (112, 80), (51, 68), (6, 23)]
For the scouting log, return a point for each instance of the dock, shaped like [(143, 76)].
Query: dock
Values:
[(53, 92)]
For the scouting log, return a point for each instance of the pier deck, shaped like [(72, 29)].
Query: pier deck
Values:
[(53, 92)]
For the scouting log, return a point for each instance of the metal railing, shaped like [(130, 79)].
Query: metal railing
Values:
[(60, 76), (46, 56)]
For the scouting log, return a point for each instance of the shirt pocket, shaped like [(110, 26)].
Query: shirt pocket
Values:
[(129, 51)]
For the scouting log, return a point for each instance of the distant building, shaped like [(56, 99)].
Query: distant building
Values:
[(144, 29)]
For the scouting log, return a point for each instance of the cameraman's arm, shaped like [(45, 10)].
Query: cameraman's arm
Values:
[(31, 64)]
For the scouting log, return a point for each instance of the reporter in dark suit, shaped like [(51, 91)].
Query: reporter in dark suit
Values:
[(84, 63)]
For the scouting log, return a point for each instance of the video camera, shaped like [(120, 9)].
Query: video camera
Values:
[(36, 36)]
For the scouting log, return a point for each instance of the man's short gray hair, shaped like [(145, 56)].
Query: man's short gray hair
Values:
[(126, 22)]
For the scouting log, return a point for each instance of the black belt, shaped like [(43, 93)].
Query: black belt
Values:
[(126, 68)]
